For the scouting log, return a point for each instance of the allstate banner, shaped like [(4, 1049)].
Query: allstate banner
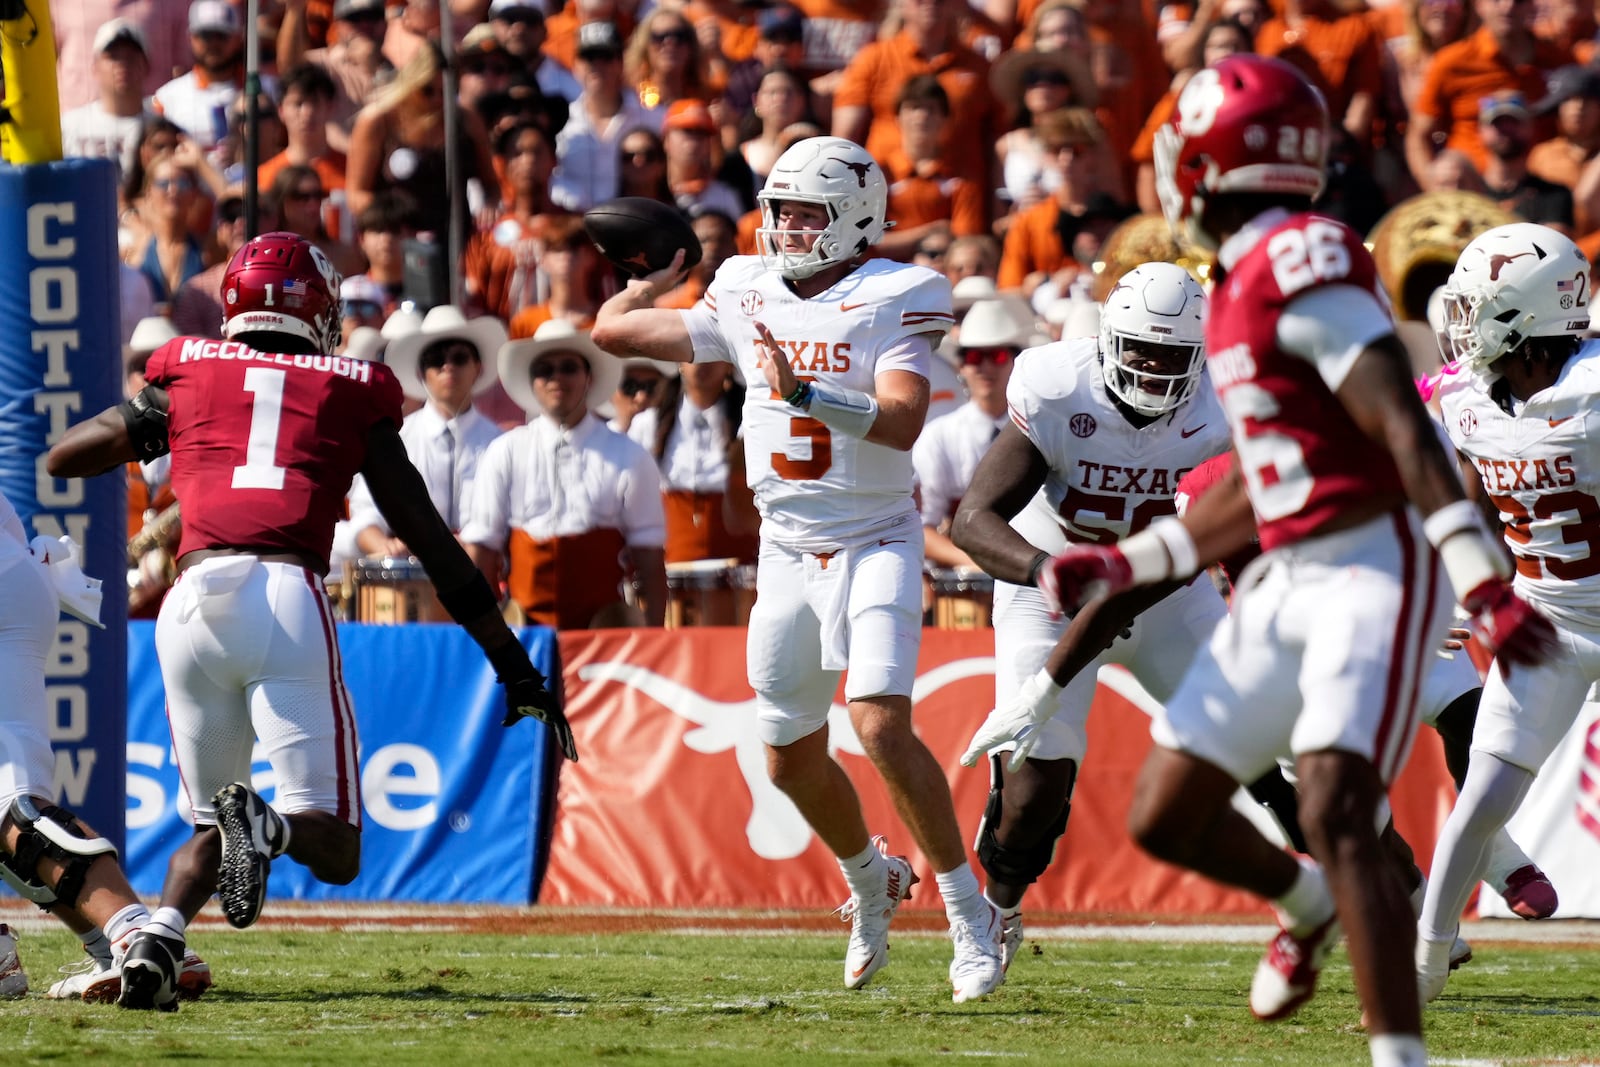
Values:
[(452, 800), (671, 806), (61, 362)]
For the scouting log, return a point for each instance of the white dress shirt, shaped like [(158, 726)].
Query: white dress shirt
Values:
[(696, 457), (449, 468), (947, 454), (588, 171), (553, 482)]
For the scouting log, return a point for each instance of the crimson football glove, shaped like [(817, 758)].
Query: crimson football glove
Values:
[(527, 697), (1082, 573), (1508, 626)]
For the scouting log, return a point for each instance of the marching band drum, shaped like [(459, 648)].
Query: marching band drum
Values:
[(709, 592), (390, 591)]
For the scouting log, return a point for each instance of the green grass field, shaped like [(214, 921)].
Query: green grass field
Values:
[(445, 998)]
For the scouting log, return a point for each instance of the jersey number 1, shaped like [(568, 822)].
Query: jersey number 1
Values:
[(260, 469)]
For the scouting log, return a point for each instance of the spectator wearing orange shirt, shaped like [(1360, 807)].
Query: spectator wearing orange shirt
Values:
[(925, 198), (1039, 242), (864, 106), (1572, 157), (575, 274), (308, 93), (1502, 55), (500, 269), (1339, 53)]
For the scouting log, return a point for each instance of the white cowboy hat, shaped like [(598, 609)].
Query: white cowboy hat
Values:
[(667, 368), (1006, 320), (970, 290), (403, 320), (365, 344), (558, 335), (150, 334), (445, 322)]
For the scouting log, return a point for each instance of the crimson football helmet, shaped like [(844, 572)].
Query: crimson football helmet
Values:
[(1247, 124), (282, 283)]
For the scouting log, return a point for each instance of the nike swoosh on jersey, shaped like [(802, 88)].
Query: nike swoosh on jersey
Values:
[(852, 307), (882, 543), (1186, 434), (1557, 422)]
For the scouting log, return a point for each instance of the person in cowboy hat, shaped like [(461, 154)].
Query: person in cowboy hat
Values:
[(638, 389), (445, 364), (993, 333), (564, 507)]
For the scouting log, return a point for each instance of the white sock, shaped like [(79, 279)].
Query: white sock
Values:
[(962, 895), (864, 872), (1488, 798), (1307, 904), (129, 918), (1503, 858), (168, 923), (1005, 913), (1398, 1050), (96, 944)]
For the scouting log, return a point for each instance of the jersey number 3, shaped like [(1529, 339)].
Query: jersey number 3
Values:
[(260, 469)]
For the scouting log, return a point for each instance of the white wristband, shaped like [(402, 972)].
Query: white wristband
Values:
[(1164, 550), (845, 410), (1468, 555)]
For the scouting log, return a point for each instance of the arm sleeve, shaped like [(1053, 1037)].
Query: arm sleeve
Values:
[(1332, 325), (363, 511), (402, 496), (488, 522), (643, 513)]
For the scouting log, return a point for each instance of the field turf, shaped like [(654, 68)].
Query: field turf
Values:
[(439, 996)]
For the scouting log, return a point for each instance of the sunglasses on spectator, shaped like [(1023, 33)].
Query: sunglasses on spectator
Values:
[(173, 185), (1044, 76), (977, 357), (483, 68), (639, 385), (371, 18), (303, 194), (933, 251), (642, 155), (363, 309), (667, 36), (552, 368), (522, 15), (458, 356)]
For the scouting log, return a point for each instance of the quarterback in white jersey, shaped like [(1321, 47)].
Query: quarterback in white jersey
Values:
[(1518, 401), (843, 343), (1102, 428)]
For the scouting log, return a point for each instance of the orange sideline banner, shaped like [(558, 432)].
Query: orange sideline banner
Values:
[(671, 806)]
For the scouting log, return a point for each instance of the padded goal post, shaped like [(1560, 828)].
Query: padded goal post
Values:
[(60, 362)]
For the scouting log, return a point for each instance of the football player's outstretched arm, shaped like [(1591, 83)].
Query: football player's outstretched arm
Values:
[(1005, 480), (1222, 521), (629, 325), (402, 496), (133, 430)]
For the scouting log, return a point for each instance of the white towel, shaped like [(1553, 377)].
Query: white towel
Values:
[(833, 609), (78, 594)]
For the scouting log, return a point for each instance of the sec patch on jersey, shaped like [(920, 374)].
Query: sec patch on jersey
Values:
[(640, 235)]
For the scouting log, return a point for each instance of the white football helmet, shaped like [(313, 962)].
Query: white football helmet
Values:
[(838, 174), (1513, 282), (1154, 303)]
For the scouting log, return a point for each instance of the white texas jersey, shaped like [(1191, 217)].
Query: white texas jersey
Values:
[(812, 485), (1108, 478), (1541, 468)]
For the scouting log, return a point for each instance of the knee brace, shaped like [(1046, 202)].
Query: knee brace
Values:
[(1019, 866), (54, 832)]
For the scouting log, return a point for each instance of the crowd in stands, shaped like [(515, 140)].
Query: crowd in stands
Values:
[(1016, 135)]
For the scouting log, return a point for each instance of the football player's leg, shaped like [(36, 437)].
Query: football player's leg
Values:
[(1026, 812), (306, 723), (1371, 616), (1520, 721)]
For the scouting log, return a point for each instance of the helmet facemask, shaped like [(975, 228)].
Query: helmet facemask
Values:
[(1154, 306)]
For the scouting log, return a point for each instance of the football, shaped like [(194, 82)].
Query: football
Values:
[(640, 235)]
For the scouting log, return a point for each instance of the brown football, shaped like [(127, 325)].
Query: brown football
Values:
[(641, 235)]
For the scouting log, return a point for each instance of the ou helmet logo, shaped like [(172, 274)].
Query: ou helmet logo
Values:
[(1199, 103)]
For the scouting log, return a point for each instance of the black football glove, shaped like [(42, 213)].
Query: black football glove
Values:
[(527, 697)]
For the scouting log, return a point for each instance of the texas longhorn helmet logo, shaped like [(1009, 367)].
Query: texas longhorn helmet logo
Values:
[(860, 170)]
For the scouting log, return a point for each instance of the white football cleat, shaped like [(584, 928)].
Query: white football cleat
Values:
[(1433, 966), (1010, 940), (978, 968), (869, 919), (1287, 975), (91, 980), (13, 979)]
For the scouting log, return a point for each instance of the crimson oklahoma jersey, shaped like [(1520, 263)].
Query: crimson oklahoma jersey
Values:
[(1304, 459), (265, 445)]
